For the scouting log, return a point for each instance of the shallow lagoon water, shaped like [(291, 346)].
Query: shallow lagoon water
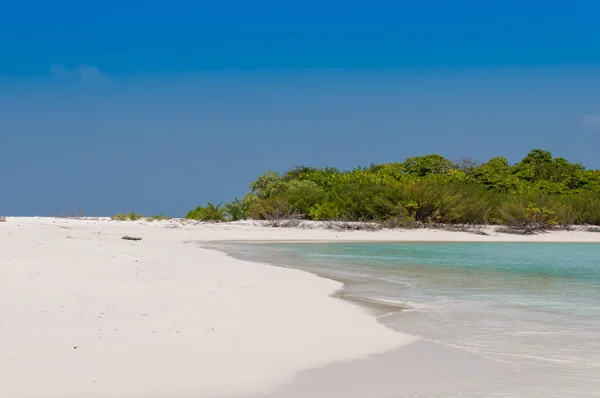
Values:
[(533, 305)]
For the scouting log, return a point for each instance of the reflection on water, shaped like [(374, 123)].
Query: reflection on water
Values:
[(536, 306)]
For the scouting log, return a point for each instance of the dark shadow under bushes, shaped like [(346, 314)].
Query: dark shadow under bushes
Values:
[(476, 229), (353, 226)]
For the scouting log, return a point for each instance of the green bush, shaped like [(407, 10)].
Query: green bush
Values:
[(209, 212), (530, 217), (302, 195), (355, 200), (236, 210), (324, 211), (278, 213), (158, 217), (267, 185), (422, 166), (427, 203), (585, 207), (127, 217)]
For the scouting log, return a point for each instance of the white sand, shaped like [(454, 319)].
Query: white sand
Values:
[(84, 313)]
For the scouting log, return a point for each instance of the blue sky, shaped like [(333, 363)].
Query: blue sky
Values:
[(159, 106)]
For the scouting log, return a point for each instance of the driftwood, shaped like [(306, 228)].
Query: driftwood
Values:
[(2, 219), (131, 238)]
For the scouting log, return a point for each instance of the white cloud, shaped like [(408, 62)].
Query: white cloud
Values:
[(591, 120), (80, 74)]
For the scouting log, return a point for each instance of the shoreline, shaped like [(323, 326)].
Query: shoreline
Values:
[(424, 366), (140, 319), (155, 287), (481, 372), (325, 241), (338, 294)]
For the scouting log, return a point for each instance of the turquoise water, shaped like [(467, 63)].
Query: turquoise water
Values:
[(535, 306)]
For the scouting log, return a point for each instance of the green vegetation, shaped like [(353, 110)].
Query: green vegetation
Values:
[(236, 210), (127, 217), (539, 192), (209, 212), (158, 217), (233, 211)]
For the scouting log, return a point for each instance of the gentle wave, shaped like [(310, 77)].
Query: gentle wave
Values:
[(536, 306)]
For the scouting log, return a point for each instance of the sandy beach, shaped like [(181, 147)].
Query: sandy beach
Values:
[(86, 313)]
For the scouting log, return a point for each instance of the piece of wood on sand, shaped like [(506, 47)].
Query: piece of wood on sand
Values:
[(131, 237), (2, 219)]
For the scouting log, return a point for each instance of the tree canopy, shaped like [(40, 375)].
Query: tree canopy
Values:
[(432, 189)]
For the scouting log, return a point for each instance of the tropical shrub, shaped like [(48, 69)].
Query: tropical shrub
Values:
[(267, 185), (209, 212), (324, 211), (302, 195), (530, 218), (158, 217), (278, 213), (127, 217), (236, 210)]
